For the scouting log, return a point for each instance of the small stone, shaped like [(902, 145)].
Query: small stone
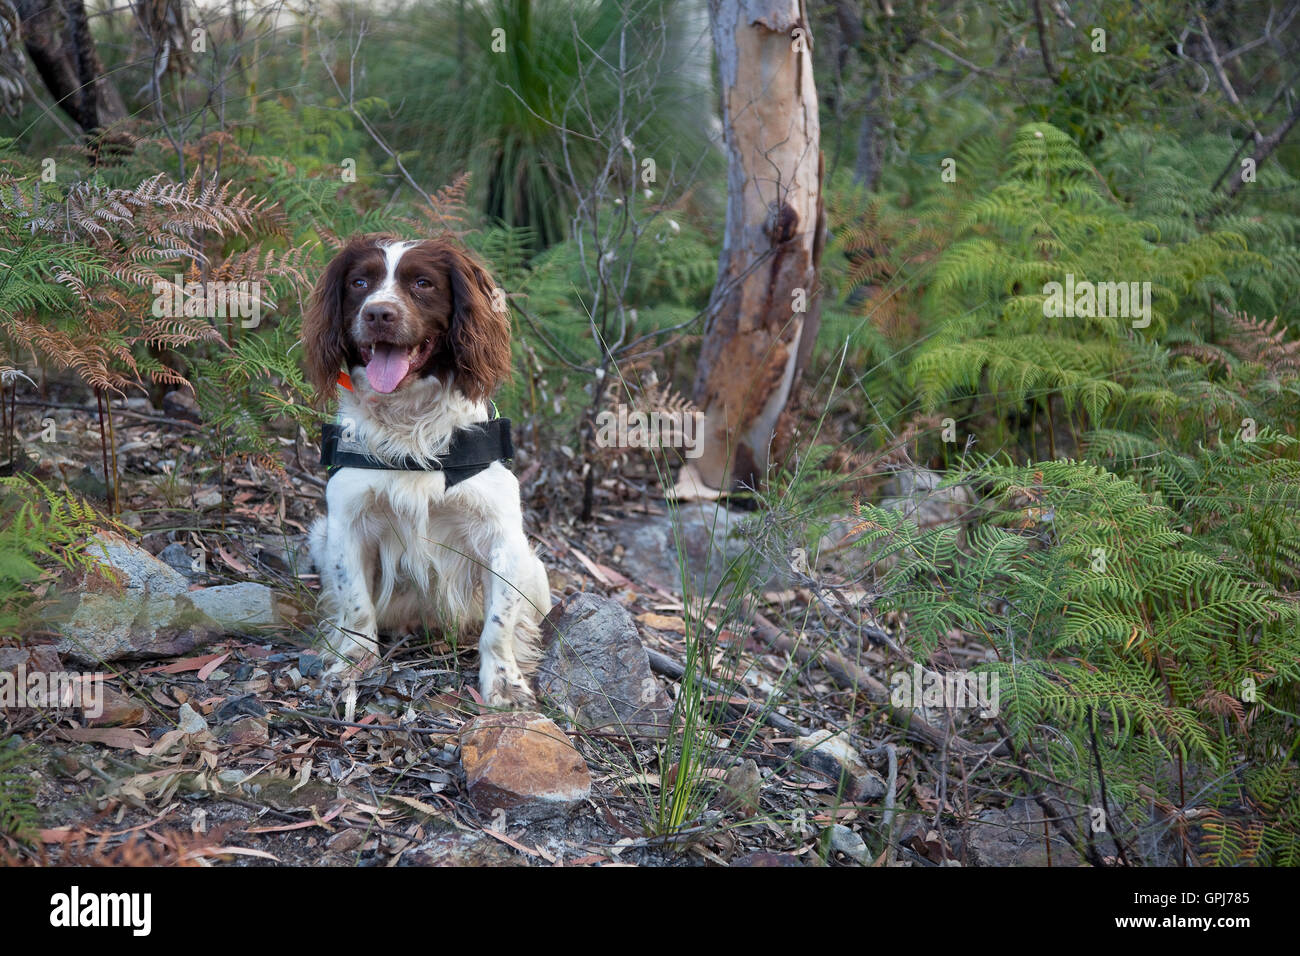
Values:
[(37, 659), (251, 731), (763, 858), (178, 558), (207, 498), (521, 763), (831, 755), (843, 840), (310, 665), (1014, 837), (118, 710), (181, 404), (233, 708), (345, 841), (191, 722), (742, 787)]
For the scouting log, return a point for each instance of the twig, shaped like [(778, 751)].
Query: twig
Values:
[(666, 666), (158, 419), (849, 675)]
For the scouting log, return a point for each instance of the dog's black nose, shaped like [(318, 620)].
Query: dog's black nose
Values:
[(379, 315)]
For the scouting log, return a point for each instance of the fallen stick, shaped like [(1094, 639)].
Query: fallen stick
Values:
[(849, 675), (666, 666)]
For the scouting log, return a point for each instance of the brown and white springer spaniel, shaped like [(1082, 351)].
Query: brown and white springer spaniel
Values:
[(415, 328)]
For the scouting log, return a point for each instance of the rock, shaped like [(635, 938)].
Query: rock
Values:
[(708, 540), (151, 612), (919, 497), (233, 708), (181, 404), (251, 731), (596, 671), (118, 710), (19, 664), (831, 755), (238, 607), (205, 498), (176, 557), (134, 568), (137, 403), (36, 659), (840, 839), (190, 721), (458, 848), (1014, 837), (523, 764), (346, 841), (310, 665), (742, 788), (915, 492)]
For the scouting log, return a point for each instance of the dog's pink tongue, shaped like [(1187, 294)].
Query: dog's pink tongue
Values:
[(387, 367)]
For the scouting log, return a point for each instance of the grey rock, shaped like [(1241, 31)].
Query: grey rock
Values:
[(180, 404), (310, 665), (153, 613), (1014, 837), (177, 557), (191, 721), (238, 608), (135, 568), (595, 669), (919, 497), (706, 533), (765, 859), (830, 755), (235, 707), (840, 839), (916, 493)]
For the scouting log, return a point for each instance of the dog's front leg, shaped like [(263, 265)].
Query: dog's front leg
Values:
[(351, 625), (509, 632)]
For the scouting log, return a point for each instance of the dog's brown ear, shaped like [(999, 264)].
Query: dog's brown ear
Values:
[(324, 338), (480, 327)]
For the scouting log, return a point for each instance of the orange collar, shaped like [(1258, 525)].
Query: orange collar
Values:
[(345, 380)]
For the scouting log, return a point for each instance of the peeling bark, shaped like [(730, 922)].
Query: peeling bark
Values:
[(757, 338)]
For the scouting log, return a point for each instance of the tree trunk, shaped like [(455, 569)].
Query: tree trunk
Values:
[(764, 312), (56, 34)]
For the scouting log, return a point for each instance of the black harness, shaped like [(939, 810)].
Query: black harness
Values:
[(472, 449)]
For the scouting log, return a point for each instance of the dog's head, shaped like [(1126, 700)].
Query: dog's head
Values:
[(399, 311)]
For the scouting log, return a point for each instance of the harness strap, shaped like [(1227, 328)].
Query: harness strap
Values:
[(472, 449)]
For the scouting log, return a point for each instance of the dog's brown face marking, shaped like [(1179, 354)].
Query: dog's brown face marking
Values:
[(401, 310)]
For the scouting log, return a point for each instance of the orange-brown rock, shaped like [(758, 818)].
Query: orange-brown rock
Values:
[(523, 764)]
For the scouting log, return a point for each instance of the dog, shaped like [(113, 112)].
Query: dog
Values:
[(423, 336)]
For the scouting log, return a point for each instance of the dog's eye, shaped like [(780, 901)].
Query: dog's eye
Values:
[(360, 284), (423, 283)]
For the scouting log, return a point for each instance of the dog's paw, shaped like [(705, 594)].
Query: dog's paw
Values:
[(510, 694), (349, 656), (346, 669)]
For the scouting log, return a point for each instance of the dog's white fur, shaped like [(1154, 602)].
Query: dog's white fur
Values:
[(397, 551)]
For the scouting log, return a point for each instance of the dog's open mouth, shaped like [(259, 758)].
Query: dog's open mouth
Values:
[(389, 365)]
